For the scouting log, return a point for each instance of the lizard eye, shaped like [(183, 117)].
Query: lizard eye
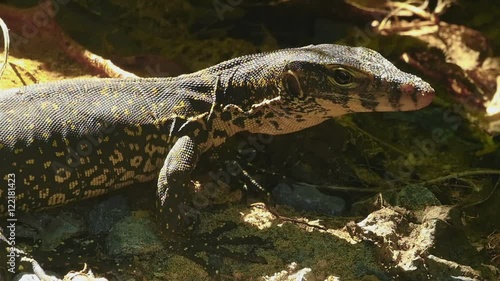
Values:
[(292, 84), (342, 76)]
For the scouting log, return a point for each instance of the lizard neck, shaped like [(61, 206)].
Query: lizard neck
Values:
[(274, 116)]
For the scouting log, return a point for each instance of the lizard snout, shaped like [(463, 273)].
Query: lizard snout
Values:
[(415, 97)]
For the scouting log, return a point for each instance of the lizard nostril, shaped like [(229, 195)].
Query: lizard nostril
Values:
[(407, 89)]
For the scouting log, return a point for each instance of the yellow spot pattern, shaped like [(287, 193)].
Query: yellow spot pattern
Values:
[(93, 193), (57, 199), (61, 179), (137, 131), (99, 180), (136, 161), (43, 193), (117, 159)]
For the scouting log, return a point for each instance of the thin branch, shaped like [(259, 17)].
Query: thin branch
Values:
[(355, 127), (6, 44), (485, 198), (463, 174)]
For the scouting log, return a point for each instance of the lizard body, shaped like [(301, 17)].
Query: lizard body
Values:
[(73, 139)]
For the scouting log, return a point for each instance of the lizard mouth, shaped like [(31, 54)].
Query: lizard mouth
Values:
[(404, 98)]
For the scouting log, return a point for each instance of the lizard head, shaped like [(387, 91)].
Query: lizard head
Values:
[(341, 79), (293, 89)]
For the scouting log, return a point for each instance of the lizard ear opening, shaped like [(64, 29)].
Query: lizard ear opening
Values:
[(291, 84)]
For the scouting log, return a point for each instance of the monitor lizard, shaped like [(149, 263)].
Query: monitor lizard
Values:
[(68, 140)]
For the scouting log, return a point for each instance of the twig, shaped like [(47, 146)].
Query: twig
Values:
[(312, 224), (6, 45), (342, 188), (463, 174), (19, 18), (27, 73)]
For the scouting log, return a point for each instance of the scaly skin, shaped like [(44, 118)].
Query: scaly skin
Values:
[(74, 139)]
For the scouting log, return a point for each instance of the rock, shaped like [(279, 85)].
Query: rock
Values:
[(132, 236), (307, 198), (414, 197), (61, 227), (105, 214), (432, 246)]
